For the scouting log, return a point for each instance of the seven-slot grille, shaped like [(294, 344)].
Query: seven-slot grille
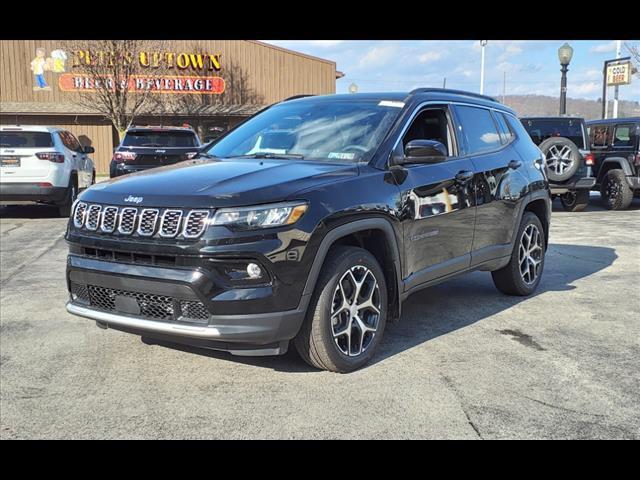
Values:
[(145, 222)]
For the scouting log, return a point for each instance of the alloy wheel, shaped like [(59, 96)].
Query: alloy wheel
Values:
[(559, 159), (530, 254), (355, 310)]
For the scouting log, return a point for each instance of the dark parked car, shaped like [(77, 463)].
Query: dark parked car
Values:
[(563, 142), (356, 202), (615, 144), (149, 147)]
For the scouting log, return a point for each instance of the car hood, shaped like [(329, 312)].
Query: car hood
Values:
[(213, 183)]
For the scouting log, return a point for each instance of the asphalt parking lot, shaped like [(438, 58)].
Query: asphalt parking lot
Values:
[(463, 362)]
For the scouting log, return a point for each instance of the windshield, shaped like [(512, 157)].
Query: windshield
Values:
[(540, 130), (341, 131), (150, 138), (25, 139)]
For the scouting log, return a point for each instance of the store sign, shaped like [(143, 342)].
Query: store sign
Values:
[(177, 60), (71, 82), (619, 74)]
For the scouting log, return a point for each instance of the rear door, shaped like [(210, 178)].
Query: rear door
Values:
[(499, 180), (18, 155)]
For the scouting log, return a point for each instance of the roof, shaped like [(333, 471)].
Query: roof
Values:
[(614, 120), (159, 127), (29, 128), (442, 94), (556, 117)]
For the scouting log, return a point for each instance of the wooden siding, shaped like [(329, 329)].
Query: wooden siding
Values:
[(275, 73), (89, 130)]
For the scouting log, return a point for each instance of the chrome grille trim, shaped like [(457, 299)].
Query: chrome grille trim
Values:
[(195, 223), (127, 220), (170, 227), (109, 219), (93, 217), (79, 214), (147, 222), (143, 222)]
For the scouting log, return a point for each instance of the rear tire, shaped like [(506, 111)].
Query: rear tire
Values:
[(342, 329), (522, 274), (575, 201), (64, 208), (614, 190)]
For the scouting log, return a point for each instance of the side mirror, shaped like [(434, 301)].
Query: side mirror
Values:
[(88, 149), (423, 151)]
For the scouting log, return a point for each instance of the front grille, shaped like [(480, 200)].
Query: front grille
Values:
[(144, 222), (195, 224), (127, 220), (147, 224), (93, 217), (152, 306), (78, 216), (109, 218), (170, 223)]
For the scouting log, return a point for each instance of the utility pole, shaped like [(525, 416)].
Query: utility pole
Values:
[(615, 89), (444, 82), (483, 43), (504, 85)]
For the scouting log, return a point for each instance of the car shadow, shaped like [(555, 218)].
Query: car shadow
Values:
[(448, 307), (30, 211), (596, 205)]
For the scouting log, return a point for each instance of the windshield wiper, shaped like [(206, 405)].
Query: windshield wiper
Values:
[(297, 156)]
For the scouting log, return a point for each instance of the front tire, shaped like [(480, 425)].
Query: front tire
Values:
[(575, 201), (347, 313), (615, 191), (522, 274)]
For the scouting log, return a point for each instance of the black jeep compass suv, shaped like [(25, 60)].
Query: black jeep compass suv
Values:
[(313, 221)]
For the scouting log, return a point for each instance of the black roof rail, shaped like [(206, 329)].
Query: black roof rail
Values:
[(298, 96), (455, 92)]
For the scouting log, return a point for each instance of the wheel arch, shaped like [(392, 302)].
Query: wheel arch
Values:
[(612, 163), (375, 235)]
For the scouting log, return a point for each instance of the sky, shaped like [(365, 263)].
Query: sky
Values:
[(531, 66)]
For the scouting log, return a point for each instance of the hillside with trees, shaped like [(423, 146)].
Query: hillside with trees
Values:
[(531, 105)]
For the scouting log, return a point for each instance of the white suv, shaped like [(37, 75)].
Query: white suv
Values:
[(43, 164)]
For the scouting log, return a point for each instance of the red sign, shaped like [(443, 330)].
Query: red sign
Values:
[(71, 82)]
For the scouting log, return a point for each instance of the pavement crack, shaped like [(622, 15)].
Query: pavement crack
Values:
[(458, 396), (6, 232), (553, 250), (564, 409)]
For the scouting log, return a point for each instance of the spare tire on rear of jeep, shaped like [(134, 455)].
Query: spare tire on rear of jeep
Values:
[(562, 158)]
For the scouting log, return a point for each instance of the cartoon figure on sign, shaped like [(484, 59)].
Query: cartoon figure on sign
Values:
[(58, 57), (38, 66)]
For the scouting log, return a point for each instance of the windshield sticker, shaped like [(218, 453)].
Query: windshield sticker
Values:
[(390, 103), (342, 155)]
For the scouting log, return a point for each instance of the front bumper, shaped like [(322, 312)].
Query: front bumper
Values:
[(30, 192), (148, 300), (585, 183)]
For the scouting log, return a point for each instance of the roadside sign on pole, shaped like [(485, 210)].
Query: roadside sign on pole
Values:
[(619, 74)]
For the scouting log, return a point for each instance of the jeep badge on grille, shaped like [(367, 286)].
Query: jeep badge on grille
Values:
[(133, 199)]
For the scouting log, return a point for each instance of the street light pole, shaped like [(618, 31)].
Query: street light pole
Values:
[(615, 89), (565, 52), (483, 43)]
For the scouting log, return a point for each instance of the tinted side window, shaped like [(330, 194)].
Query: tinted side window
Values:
[(478, 128), (506, 135), (69, 141), (623, 135)]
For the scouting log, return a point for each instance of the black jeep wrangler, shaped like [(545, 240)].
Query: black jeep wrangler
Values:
[(615, 144), (563, 142), (313, 221)]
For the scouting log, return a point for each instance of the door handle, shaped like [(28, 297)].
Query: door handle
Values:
[(513, 164), (464, 176)]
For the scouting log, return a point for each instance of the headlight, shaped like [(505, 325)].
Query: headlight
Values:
[(263, 216)]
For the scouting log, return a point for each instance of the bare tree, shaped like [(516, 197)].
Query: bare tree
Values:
[(238, 91), (113, 69), (634, 50)]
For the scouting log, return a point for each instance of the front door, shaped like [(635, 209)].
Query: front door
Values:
[(437, 204)]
